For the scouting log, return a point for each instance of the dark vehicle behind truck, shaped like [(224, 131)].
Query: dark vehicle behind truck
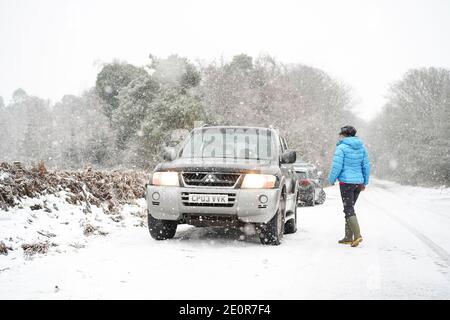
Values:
[(310, 184)]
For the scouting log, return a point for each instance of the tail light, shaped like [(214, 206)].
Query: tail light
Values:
[(304, 182)]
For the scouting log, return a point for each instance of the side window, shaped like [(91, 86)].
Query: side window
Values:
[(283, 144)]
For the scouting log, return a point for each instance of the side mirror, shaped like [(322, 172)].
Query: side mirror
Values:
[(169, 154), (289, 156)]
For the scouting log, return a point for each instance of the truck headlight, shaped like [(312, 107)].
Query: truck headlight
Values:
[(259, 181), (165, 179)]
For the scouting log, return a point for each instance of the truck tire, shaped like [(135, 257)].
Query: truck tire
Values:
[(271, 233), (312, 201), (291, 225), (161, 229), (322, 197)]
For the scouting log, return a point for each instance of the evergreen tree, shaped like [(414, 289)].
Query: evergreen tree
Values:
[(113, 78), (171, 111), (134, 105)]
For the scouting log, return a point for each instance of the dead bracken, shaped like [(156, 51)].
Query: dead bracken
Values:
[(109, 189), (77, 245), (4, 249), (90, 229), (30, 249), (139, 214)]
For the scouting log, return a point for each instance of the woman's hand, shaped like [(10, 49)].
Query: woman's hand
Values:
[(362, 187)]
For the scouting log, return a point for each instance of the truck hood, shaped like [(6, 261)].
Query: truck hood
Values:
[(220, 165)]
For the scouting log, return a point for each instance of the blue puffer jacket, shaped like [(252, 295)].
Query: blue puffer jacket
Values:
[(350, 163)]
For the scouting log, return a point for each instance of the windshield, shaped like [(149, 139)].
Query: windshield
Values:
[(235, 143), (301, 174)]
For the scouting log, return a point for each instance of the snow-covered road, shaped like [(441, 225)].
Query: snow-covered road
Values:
[(405, 255)]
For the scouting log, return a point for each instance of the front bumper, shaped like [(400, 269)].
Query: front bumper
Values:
[(246, 206)]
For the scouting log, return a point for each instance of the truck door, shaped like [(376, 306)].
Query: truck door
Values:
[(291, 185)]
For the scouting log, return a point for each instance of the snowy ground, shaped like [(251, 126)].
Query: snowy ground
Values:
[(405, 255)]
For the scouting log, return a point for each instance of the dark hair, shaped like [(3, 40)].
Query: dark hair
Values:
[(348, 131)]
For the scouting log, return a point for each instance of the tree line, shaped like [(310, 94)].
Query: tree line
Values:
[(410, 139), (129, 115)]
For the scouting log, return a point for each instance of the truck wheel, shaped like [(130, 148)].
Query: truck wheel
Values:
[(161, 229), (291, 225), (312, 202), (271, 233), (322, 197)]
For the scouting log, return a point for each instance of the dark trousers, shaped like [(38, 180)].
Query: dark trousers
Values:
[(349, 195)]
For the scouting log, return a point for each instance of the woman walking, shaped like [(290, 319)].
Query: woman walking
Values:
[(351, 167)]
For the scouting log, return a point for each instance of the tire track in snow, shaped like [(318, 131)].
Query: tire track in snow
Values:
[(438, 250), (411, 200)]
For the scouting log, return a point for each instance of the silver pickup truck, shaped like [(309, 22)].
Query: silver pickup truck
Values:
[(226, 176)]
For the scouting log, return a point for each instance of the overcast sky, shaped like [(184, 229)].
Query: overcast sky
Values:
[(55, 47)]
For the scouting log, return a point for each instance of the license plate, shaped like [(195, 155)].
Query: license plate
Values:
[(208, 198)]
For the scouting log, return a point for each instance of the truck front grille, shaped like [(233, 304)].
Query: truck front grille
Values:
[(185, 200), (206, 220), (210, 179)]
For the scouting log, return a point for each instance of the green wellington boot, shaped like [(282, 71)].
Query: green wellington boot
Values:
[(353, 223), (348, 239)]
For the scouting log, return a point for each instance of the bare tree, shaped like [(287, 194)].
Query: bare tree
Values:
[(412, 135)]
